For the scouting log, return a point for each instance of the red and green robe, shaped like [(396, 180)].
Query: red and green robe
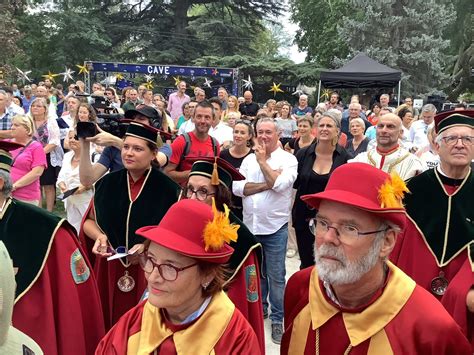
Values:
[(243, 285), (401, 318), (57, 302), (121, 206), (439, 237), (221, 329)]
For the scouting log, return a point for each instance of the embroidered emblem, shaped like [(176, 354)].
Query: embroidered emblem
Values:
[(79, 269), (251, 283)]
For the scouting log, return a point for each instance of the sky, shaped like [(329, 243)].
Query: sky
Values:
[(290, 28)]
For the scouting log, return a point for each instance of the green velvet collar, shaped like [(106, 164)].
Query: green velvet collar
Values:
[(445, 221)]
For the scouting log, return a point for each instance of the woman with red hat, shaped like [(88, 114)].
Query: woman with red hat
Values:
[(210, 179), (124, 201), (186, 312)]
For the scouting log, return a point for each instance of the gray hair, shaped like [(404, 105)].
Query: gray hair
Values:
[(355, 105), (357, 120), (304, 96), (429, 108), (267, 119), (384, 227), (333, 115), (385, 95), (7, 183)]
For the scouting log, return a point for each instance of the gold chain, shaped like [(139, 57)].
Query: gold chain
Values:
[(348, 350)]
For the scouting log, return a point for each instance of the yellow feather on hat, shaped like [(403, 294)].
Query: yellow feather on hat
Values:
[(219, 230), (392, 191)]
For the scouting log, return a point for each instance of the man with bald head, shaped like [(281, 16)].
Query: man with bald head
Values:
[(389, 155), (249, 108)]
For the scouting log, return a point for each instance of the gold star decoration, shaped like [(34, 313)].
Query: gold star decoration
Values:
[(325, 94), (149, 85), (82, 69), (50, 76), (177, 80), (275, 88), (118, 77)]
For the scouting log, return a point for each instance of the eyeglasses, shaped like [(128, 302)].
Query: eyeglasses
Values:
[(201, 194), (167, 271), (452, 140), (345, 232)]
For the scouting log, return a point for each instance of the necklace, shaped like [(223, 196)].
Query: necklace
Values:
[(348, 350)]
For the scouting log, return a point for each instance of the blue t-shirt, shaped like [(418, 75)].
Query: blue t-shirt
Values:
[(301, 112), (112, 160)]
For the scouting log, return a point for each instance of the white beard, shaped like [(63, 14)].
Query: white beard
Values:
[(344, 272)]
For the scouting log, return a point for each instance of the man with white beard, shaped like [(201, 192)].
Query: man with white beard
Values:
[(354, 300)]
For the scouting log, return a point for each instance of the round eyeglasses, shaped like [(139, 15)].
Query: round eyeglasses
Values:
[(167, 271), (345, 232), (201, 193)]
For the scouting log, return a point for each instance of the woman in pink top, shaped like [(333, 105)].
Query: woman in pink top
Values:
[(29, 161)]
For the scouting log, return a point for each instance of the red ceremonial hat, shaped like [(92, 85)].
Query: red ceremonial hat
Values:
[(194, 229), (6, 160), (451, 118), (363, 186)]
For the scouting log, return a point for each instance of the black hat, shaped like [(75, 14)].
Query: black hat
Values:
[(448, 119), (6, 160), (142, 131), (144, 110), (217, 169)]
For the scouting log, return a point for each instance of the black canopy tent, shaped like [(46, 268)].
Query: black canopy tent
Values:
[(360, 72)]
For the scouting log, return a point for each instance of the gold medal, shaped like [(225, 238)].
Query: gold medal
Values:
[(439, 284), (126, 283)]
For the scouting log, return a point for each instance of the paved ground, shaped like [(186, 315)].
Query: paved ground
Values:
[(292, 265)]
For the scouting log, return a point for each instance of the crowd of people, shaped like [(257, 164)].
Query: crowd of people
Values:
[(177, 230)]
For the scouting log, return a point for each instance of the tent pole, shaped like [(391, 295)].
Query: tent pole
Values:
[(319, 90), (399, 86)]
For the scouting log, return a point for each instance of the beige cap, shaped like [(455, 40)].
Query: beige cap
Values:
[(12, 341)]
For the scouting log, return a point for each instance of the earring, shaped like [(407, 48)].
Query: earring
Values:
[(205, 285)]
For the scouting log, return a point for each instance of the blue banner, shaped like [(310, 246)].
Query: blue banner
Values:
[(158, 69), (227, 77)]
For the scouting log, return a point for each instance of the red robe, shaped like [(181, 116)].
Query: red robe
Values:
[(244, 291), (401, 318), (413, 257), (115, 302), (62, 316), (221, 328), (439, 215)]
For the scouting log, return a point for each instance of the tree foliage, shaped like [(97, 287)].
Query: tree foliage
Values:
[(318, 21), (404, 34), (161, 31)]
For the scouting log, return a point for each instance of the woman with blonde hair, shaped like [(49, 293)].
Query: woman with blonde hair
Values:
[(231, 113), (29, 161), (47, 133), (315, 165)]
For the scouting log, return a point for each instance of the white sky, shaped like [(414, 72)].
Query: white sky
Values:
[(290, 28)]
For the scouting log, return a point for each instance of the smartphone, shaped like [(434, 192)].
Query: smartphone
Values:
[(86, 129)]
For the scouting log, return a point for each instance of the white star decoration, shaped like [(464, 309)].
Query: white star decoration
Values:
[(207, 82), (248, 83), (148, 77), (67, 75), (23, 75), (298, 92)]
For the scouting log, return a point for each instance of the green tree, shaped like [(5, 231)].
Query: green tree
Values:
[(9, 36), (462, 47), (318, 21), (404, 34)]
